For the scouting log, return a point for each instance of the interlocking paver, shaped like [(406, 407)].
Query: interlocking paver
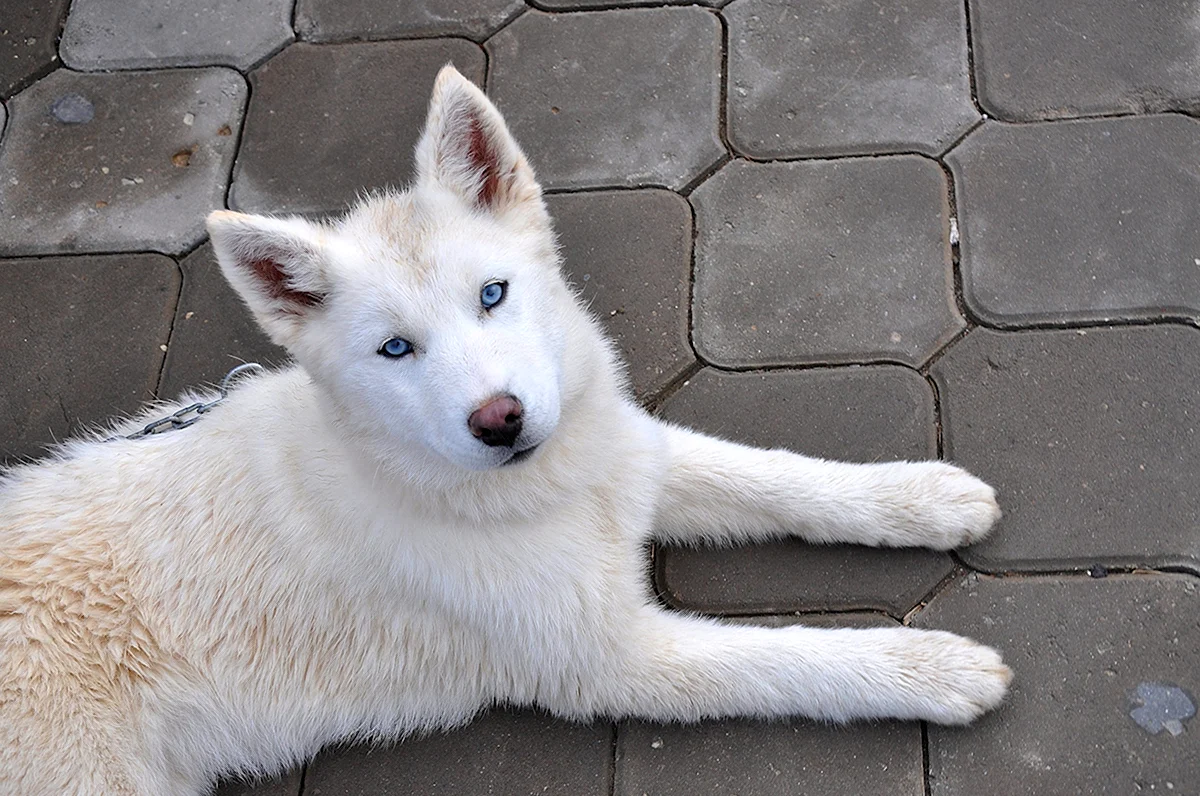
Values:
[(586, 5), (826, 261), (1084, 220), (1090, 439), (767, 758), (28, 35), (332, 20), (1081, 649), (81, 338), (213, 330), (612, 98), (855, 414), (502, 752), (329, 121), (847, 77), (113, 162), (1036, 60), (629, 253), (132, 34)]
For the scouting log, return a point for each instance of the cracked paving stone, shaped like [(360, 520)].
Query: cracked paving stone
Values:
[(629, 254), (1085, 220), (772, 758), (135, 34), (837, 78), (213, 330), (1090, 439), (875, 413), (332, 20), (327, 122), (502, 751), (1036, 60), (823, 262), (115, 162), (1086, 653), (612, 98), (83, 339), (28, 35)]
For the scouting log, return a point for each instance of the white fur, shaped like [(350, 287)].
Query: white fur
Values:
[(330, 554)]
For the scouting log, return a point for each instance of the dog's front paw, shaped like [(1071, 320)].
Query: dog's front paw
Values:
[(954, 680), (942, 506)]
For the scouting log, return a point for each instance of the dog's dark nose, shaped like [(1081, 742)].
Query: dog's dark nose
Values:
[(498, 422)]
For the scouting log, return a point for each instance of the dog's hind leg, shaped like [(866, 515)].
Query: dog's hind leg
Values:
[(683, 667), (723, 492)]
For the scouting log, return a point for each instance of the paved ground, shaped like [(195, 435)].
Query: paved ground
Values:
[(857, 229)]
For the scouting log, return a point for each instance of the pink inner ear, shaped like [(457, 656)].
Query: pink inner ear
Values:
[(272, 275), (483, 157)]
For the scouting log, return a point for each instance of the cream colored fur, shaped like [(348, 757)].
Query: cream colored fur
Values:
[(330, 554)]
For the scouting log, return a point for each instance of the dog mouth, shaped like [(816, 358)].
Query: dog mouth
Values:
[(522, 455)]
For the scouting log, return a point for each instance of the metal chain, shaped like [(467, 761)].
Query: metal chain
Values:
[(190, 414)]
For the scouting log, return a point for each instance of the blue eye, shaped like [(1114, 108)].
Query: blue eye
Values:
[(395, 348), (492, 294)]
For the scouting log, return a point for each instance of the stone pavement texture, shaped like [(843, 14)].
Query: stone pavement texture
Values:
[(858, 230)]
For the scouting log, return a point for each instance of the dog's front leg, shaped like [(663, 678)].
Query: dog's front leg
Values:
[(724, 492), (687, 668)]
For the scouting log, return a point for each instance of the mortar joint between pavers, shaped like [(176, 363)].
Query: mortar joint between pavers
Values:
[(926, 784), (723, 85), (237, 150), (953, 578), (927, 366), (941, 157), (971, 82), (1085, 571), (828, 157), (162, 365), (654, 401), (705, 174), (954, 238), (1083, 325)]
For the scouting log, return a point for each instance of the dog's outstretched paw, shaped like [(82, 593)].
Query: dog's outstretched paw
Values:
[(941, 506), (961, 679)]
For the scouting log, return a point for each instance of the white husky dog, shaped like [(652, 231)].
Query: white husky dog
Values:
[(443, 505)]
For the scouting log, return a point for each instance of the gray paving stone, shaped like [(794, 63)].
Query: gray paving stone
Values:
[(119, 34), (1080, 649), (28, 39), (588, 5), (766, 758), (504, 752), (285, 785), (843, 78), (630, 253), (612, 98), (141, 159), (81, 338), (855, 414), (1081, 220), (333, 20), (213, 331), (826, 261), (327, 122), (1090, 439), (1035, 60)]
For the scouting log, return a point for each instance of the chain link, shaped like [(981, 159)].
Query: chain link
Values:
[(190, 414)]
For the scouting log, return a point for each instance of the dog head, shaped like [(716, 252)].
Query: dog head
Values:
[(436, 317)]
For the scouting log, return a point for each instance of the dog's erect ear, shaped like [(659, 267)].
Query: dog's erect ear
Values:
[(275, 264), (467, 148)]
